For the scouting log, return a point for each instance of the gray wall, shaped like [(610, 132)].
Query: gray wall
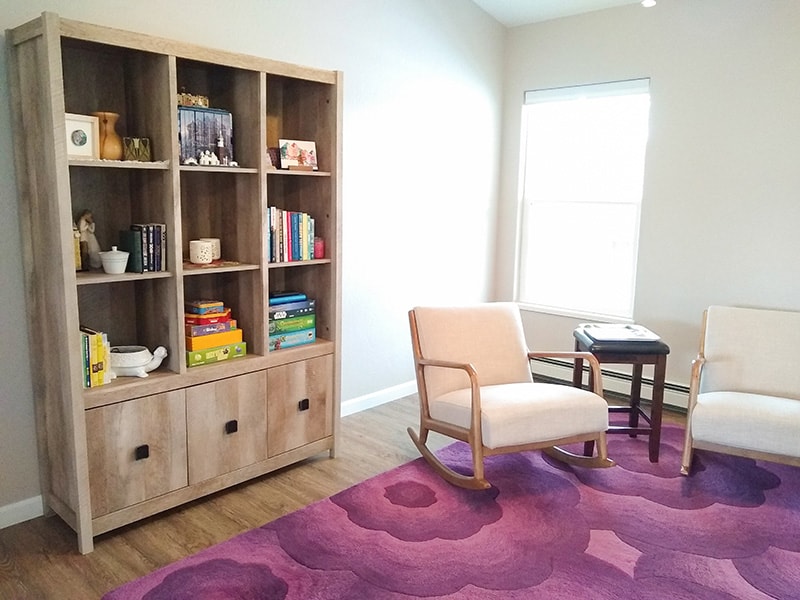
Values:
[(422, 87), (722, 180)]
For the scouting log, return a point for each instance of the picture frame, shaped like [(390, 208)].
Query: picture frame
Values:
[(298, 155), (83, 136)]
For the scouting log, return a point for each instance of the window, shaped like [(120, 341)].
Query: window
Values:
[(583, 151)]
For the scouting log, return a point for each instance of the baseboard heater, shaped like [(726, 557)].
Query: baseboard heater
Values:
[(676, 396)]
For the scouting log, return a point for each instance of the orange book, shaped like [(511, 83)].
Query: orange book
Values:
[(213, 340)]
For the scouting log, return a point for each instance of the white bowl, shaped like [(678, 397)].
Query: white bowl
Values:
[(114, 261)]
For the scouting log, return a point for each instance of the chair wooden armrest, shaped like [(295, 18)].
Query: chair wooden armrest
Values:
[(594, 364), (475, 388)]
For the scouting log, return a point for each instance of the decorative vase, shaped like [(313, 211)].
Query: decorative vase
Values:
[(110, 142)]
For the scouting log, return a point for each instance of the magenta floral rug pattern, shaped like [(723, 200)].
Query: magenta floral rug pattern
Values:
[(543, 531)]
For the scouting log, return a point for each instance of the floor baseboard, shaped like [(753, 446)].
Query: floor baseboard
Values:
[(24, 510), (383, 396), (675, 395)]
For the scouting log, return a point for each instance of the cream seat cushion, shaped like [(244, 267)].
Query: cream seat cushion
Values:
[(523, 413), (748, 421)]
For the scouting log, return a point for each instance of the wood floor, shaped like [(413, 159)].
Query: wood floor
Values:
[(39, 558)]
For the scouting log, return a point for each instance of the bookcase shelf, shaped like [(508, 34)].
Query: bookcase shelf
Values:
[(86, 436)]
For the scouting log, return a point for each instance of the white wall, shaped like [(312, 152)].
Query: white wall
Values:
[(421, 119), (722, 181)]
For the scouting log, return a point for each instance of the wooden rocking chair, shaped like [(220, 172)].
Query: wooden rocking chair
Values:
[(475, 385)]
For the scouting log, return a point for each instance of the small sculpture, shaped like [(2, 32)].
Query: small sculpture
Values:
[(209, 158), (86, 227), (135, 361)]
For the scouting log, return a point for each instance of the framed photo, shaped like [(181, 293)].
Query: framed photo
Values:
[(83, 136), (299, 155)]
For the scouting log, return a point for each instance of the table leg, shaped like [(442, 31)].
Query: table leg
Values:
[(657, 406), (636, 397)]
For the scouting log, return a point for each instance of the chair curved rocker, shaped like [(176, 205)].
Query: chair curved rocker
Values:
[(474, 384)]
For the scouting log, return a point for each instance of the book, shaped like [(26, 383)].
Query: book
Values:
[(197, 330), (213, 340), (292, 339), (96, 356), (610, 332), (291, 324), (142, 229), (130, 241), (208, 318), (292, 309), (86, 361), (202, 307), (213, 355), (286, 297)]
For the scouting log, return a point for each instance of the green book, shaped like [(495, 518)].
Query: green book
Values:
[(130, 240)]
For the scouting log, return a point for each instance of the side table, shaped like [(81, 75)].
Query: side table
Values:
[(638, 354)]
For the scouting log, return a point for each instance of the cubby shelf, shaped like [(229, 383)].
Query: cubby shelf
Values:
[(90, 474)]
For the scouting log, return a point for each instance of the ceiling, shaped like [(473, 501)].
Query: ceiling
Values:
[(520, 12)]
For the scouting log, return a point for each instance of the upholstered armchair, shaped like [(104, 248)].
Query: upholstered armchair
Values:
[(475, 385), (744, 396)]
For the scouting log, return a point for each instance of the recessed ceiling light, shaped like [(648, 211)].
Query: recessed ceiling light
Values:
[(648, 3)]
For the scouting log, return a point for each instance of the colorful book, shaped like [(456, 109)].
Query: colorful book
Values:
[(213, 355), (292, 339), (290, 324), (292, 309), (208, 318), (214, 340), (286, 297), (86, 360), (198, 330), (96, 356), (202, 307)]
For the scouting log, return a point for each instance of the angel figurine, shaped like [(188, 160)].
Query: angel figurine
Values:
[(86, 229)]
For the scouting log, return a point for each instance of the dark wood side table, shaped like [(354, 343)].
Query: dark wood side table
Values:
[(638, 354)]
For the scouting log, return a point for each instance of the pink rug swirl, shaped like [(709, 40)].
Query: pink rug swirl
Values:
[(543, 531)]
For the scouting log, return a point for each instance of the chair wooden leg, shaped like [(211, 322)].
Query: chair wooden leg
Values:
[(476, 482), (688, 449), (600, 461), (688, 453)]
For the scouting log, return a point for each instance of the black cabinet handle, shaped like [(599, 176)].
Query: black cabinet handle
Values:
[(304, 404), (141, 452), (232, 426)]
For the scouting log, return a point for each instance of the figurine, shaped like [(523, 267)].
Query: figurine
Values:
[(86, 228), (209, 158)]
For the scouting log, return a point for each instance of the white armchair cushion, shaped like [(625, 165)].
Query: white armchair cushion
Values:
[(523, 413), (751, 350), (748, 421), (488, 336)]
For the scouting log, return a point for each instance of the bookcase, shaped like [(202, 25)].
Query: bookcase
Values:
[(114, 454)]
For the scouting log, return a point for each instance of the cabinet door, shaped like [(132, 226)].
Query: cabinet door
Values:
[(137, 450), (299, 403), (226, 421)]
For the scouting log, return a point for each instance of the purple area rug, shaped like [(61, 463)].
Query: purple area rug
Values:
[(544, 531)]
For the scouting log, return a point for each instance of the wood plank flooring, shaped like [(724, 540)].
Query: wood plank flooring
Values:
[(39, 558)]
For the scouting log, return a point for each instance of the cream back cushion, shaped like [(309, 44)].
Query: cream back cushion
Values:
[(751, 350), (489, 336)]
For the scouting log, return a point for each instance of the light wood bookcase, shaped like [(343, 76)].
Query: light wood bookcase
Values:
[(88, 437)]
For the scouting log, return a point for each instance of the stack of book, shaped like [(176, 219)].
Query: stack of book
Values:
[(292, 320), (291, 235), (96, 358), (146, 244), (211, 334)]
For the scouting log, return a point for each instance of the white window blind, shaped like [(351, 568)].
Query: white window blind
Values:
[(583, 152)]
